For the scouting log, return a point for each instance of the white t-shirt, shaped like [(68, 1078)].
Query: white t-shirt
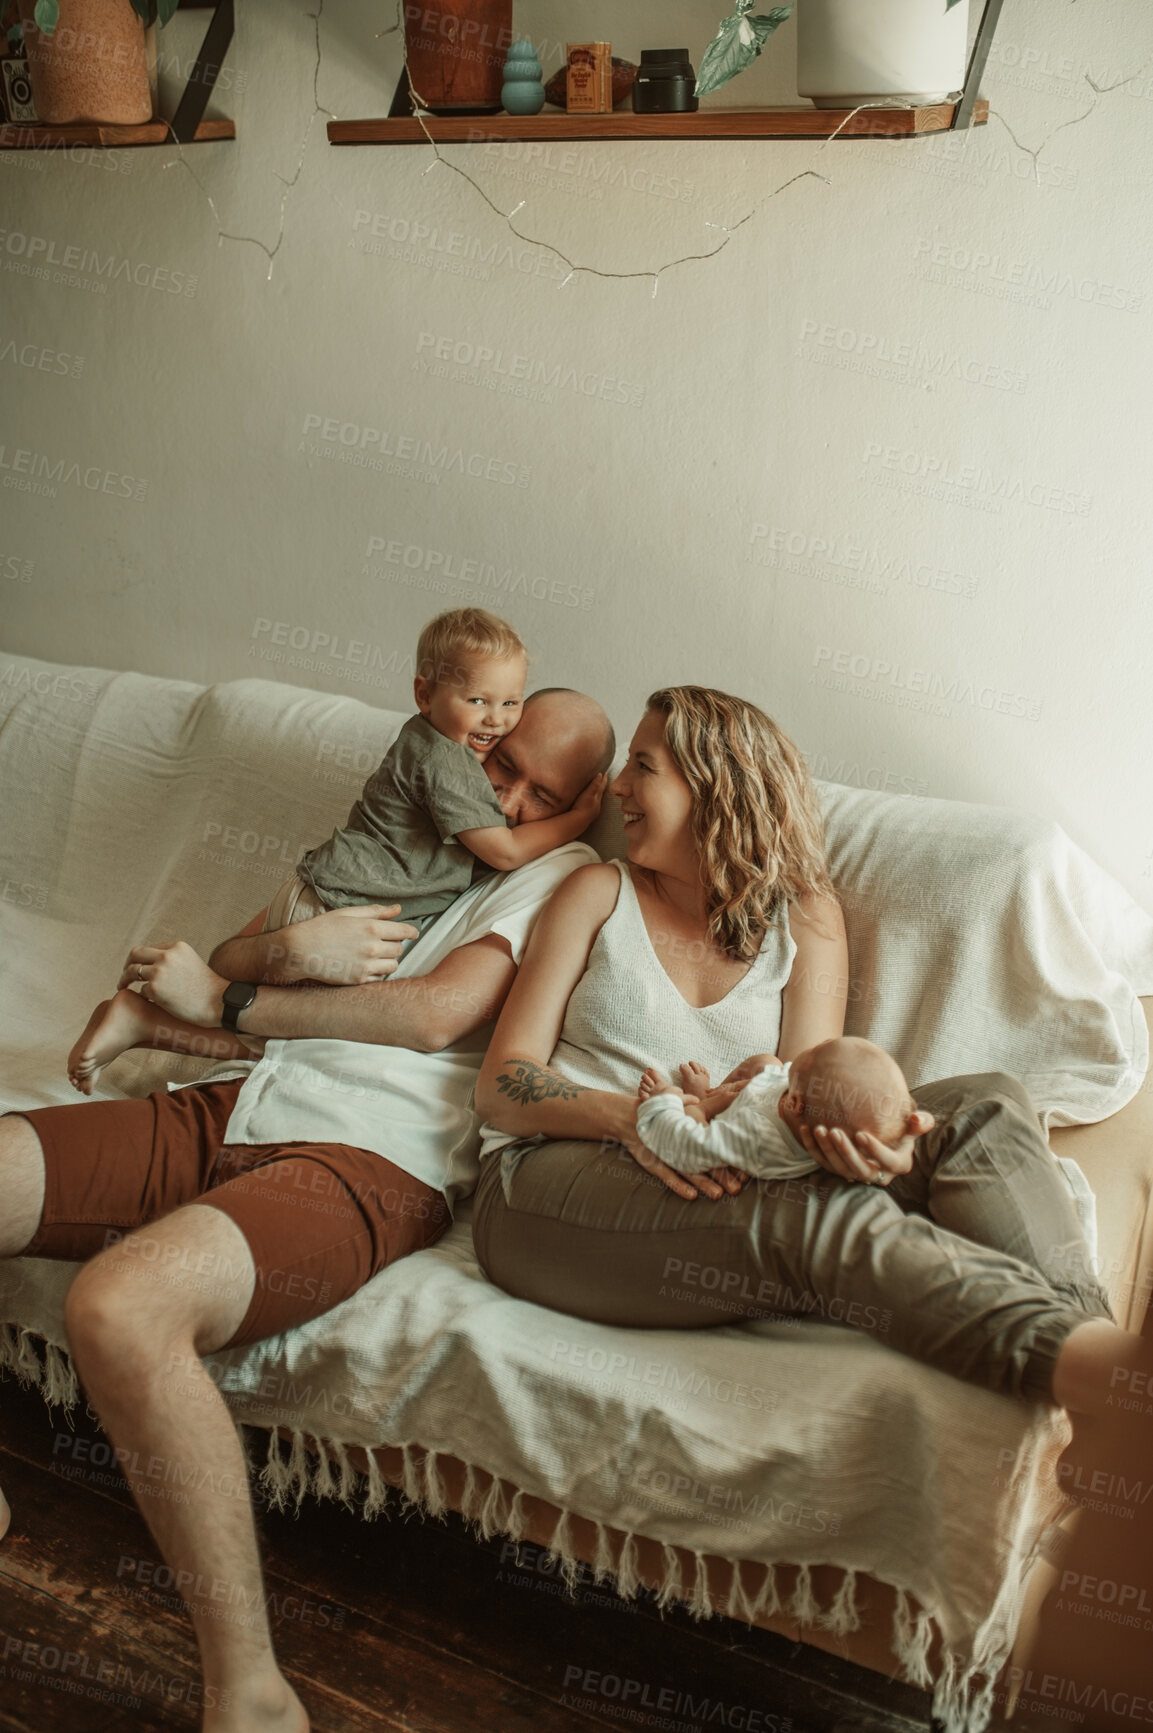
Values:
[(749, 1134), (414, 1108)]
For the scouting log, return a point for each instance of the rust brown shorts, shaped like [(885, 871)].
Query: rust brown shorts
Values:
[(319, 1218)]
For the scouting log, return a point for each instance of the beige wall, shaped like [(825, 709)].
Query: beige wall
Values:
[(880, 465)]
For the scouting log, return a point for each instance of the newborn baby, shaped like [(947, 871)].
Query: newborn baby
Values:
[(751, 1121)]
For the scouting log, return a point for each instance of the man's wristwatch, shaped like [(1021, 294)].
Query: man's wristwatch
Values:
[(237, 997)]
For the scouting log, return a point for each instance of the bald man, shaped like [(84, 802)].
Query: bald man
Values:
[(217, 1215)]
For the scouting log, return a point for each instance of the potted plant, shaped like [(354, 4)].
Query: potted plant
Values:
[(852, 51), (92, 64)]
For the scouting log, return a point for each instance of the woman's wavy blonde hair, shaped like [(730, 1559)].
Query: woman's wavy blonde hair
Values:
[(755, 816)]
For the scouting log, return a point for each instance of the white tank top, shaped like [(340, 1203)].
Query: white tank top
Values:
[(625, 1014)]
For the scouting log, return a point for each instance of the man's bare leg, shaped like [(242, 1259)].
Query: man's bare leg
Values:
[(21, 1184), (129, 1020), (139, 1316)]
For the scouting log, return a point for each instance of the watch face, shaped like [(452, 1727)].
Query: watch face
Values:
[(236, 997)]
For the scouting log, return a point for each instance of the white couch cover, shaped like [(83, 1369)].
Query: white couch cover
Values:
[(138, 808)]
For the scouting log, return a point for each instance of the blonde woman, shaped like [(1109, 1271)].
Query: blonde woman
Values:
[(720, 936)]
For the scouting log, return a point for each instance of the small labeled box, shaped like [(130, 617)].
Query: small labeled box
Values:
[(589, 87)]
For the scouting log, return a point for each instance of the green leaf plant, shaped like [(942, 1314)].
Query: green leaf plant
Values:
[(738, 42)]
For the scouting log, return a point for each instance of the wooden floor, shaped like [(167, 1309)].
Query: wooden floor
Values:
[(401, 1623)]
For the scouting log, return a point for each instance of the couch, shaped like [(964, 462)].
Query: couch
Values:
[(797, 1474)]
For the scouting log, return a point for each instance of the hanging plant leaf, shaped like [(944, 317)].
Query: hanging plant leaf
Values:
[(165, 9), (47, 15), (737, 44), (949, 4)]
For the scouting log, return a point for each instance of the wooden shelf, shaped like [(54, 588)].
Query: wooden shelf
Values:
[(799, 121), (107, 137), (187, 125)]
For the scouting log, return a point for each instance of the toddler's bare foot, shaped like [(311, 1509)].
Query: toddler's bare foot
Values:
[(694, 1078), (117, 1024)]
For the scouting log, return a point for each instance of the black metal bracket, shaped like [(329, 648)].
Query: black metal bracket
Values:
[(402, 98), (202, 78), (982, 42)]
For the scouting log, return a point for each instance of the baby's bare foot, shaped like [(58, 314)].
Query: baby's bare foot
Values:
[(652, 1083), (694, 1078), (116, 1025)]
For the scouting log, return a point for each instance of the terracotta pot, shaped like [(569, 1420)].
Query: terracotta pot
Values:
[(849, 51), (456, 51), (93, 67)]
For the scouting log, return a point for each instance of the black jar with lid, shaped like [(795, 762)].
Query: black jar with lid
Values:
[(665, 82)]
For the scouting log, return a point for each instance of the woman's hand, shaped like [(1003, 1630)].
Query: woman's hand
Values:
[(864, 1160), (731, 1179), (715, 1183), (687, 1188)]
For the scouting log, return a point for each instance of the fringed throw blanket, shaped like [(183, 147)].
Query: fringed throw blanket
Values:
[(772, 1444)]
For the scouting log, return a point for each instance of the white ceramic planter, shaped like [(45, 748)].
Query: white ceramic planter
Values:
[(851, 51)]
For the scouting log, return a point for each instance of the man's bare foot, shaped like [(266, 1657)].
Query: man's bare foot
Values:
[(695, 1079), (652, 1083), (126, 1020), (5, 1515), (271, 1710)]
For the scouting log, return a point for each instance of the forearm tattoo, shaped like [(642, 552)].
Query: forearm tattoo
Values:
[(527, 1083)]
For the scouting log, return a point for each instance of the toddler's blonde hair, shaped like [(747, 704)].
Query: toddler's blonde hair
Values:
[(458, 635)]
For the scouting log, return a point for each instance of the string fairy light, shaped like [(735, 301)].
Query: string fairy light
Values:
[(222, 235), (423, 114), (1099, 90)]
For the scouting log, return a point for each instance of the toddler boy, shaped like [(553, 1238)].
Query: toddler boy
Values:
[(427, 825)]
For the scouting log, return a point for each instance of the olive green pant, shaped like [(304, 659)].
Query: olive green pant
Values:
[(974, 1261)]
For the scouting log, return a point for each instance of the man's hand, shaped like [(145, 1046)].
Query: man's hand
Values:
[(864, 1159), (177, 979), (343, 947)]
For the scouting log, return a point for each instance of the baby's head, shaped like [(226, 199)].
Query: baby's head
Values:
[(470, 674), (850, 1083)]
